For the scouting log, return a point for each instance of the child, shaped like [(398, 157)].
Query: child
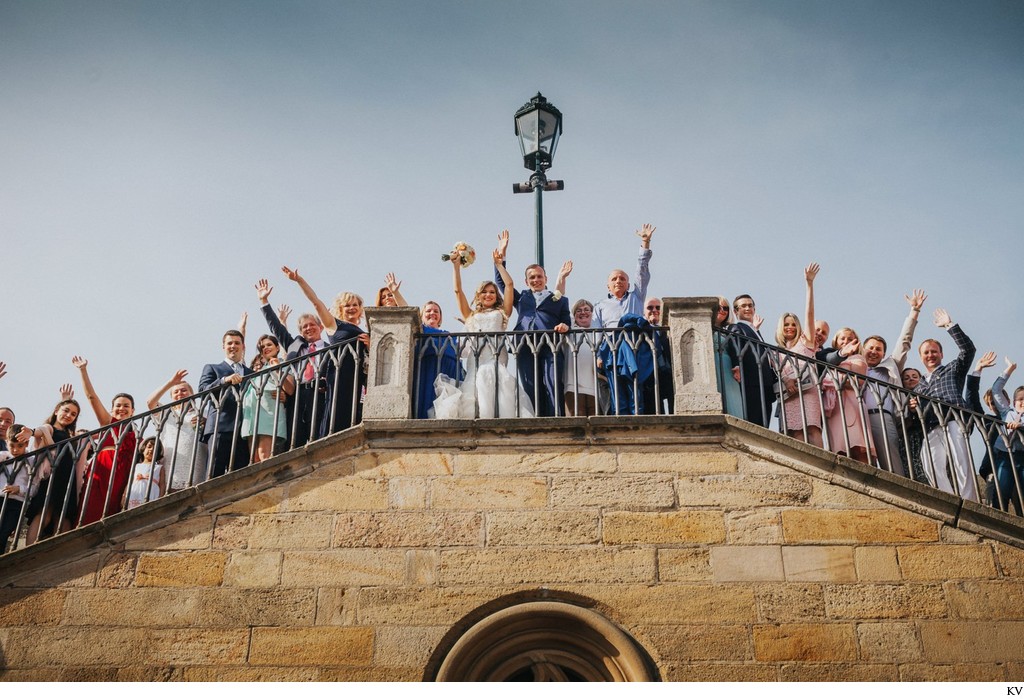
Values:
[(14, 483), (147, 483)]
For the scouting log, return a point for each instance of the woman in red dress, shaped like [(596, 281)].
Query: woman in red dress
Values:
[(106, 475)]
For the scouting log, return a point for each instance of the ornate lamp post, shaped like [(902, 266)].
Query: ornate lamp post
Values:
[(538, 126)]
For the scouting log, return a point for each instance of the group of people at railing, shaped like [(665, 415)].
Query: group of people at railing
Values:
[(242, 413), (298, 388), (852, 397), (860, 400), (567, 362)]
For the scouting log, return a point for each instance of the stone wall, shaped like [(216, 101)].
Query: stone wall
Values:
[(725, 551)]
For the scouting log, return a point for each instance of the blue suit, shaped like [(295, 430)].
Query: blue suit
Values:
[(225, 418), (535, 363)]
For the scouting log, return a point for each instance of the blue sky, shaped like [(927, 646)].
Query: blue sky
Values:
[(157, 158)]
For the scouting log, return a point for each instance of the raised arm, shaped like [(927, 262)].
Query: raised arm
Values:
[(966, 346), (1002, 405), (643, 271), (916, 301), (102, 415), (508, 300), (460, 296), (326, 317), (395, 286), (243, 323), (154, 399), (503, 249), (810, 272), (275, 324), (563, 275), (283, 312), (972, 387)]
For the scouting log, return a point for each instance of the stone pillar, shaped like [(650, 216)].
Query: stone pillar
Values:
[(390, 376), (689, 321)]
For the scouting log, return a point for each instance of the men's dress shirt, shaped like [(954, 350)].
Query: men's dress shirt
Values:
[(607, 312), (874, 393), (947, 382)]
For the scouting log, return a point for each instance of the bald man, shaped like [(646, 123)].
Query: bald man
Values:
[(622, 298)]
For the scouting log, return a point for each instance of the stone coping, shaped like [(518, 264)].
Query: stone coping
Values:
[(576, 433)]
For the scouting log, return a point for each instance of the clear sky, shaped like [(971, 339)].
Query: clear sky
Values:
[(157, 158)]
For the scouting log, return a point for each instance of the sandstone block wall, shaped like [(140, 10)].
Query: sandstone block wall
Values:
[(727, 553)]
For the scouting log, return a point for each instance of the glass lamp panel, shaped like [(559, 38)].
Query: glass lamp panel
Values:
[(526, 124), (548, 128)]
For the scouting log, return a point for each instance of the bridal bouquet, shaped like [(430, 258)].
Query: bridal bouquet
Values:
[(465, 253)]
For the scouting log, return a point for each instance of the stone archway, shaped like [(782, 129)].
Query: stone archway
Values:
[(545, 641)]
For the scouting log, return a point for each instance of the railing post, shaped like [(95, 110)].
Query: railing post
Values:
[(693, 354), (389, 378)]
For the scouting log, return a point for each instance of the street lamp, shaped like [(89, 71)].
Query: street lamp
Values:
[(538, 126)]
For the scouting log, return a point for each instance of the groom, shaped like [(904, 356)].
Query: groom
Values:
[(538, 310)]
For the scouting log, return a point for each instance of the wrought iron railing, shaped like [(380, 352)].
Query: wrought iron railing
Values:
[(523, 374), (910, 435), (90, 476)]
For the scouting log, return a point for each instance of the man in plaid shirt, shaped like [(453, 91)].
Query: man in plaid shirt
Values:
[(946, 438)]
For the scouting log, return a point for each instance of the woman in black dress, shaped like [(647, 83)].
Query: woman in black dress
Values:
[(56, 499)]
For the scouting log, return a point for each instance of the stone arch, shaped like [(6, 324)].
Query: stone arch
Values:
[(545, 641)]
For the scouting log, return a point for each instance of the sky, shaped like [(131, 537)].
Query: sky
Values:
[(158, 158)]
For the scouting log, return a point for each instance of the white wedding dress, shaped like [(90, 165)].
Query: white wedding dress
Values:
[(484, 371)]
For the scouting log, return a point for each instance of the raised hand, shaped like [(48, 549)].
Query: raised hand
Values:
[(849, 349), (645, 234), (986, 360), (66, 392), (243, 322), (499, 259), (566, 269), (263, 290), (811, 271), (916, 299), (283, 312), (942, 319), (391, 283), (1010, 366), (503, 243), (757, 322), (179, 376), (293, 275), (79, 362)]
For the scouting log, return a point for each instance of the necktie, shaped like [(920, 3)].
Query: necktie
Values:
[(309, 372)]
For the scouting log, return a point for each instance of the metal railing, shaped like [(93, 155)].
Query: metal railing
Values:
[(524, 374), (899, 430), (99, 473)]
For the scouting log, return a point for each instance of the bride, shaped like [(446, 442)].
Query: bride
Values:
[(485, 368)]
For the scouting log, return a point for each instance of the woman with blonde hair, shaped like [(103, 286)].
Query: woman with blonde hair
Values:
[(340, 324), (846, 426), (475, 396), (800, 415), (732, 398)]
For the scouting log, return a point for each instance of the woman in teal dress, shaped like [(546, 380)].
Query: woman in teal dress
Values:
[(732, 399), (264, 414)]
